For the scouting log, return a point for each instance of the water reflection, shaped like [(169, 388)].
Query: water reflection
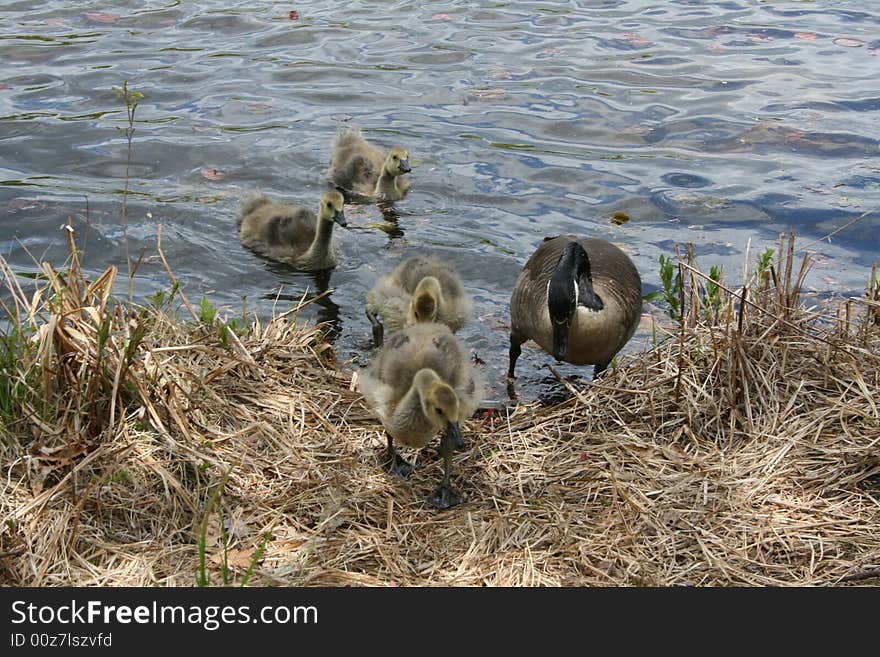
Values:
[(316, 293)]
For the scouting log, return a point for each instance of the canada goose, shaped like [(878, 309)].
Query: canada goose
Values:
[(419, 382), (291, 234), (579, 298), (358, 166), (419, 289)]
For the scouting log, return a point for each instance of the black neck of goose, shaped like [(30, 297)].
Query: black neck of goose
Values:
[(573, 280)]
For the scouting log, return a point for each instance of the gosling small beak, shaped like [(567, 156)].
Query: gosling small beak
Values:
[(339, 218), (404, 166), (453, 432), (560, 340)]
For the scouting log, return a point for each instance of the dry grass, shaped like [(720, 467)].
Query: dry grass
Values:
[(743, 450)]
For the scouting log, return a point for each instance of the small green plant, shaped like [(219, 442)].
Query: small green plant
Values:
[(12, 388), (202, 578), (207, 312), (671, 279), (764, 262), (163, 300), (131, 99), (232, 326), (257, 556), (202, 538), (711, 300)]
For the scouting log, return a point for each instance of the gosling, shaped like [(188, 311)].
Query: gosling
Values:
[(579, 298), (419, 289), (420, 382), (292, 234), (358, 166)]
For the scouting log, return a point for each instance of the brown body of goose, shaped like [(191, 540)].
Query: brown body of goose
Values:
[(358, 166), (579, 298), (292, 234), (419, 289), (420, 382)]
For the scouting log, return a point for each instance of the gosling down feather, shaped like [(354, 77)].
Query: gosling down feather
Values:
[(292, 234), (358, 166), (579, 298), (419, 382), (419, 289)]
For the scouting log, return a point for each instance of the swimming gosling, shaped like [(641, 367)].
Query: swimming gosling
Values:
[(358, 166), (420, 382), (291, 234), (579, 298), (419, 289)]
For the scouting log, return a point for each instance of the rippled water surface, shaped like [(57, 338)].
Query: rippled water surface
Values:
[(710, 122)]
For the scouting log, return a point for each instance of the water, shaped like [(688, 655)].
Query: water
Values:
[(716, 123)]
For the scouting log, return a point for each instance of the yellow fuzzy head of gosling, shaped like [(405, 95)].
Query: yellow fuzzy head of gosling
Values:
[(331, 207), (397, 162), (439, 401), (426, 299)]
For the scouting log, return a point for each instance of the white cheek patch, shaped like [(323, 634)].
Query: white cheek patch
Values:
[(574, 284)]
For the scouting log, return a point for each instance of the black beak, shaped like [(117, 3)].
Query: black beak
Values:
[(560, 340), (339, 218), (404, 166), (453, 432)]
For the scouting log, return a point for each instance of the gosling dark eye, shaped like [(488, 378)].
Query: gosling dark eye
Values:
[(439, 412), (394, 157)]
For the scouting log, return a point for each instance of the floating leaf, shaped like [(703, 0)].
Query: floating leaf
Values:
[(619, 217), (293, 15), (809, 36), (101, 17), (847, 42), (441, 17), (211, 174), (489, 93), (636, 39)]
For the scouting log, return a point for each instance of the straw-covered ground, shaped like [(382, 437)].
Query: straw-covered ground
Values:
[(148, 447)]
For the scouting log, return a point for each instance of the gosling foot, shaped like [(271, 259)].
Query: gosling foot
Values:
[(378, 335), (397, 465), (444, 497)]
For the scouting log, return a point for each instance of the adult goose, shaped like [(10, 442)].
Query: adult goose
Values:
[(579, 298)]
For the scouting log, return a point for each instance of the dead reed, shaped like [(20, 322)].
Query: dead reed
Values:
[(743, 450)]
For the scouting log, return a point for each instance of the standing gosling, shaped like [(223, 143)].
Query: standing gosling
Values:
[(358, 166), (419, 289), (420, 382), (579, 298), (291, 234)]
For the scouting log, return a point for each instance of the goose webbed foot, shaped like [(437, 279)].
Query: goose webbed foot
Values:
[(399, 466), (444, 497), (378, 329), (396, 464)]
